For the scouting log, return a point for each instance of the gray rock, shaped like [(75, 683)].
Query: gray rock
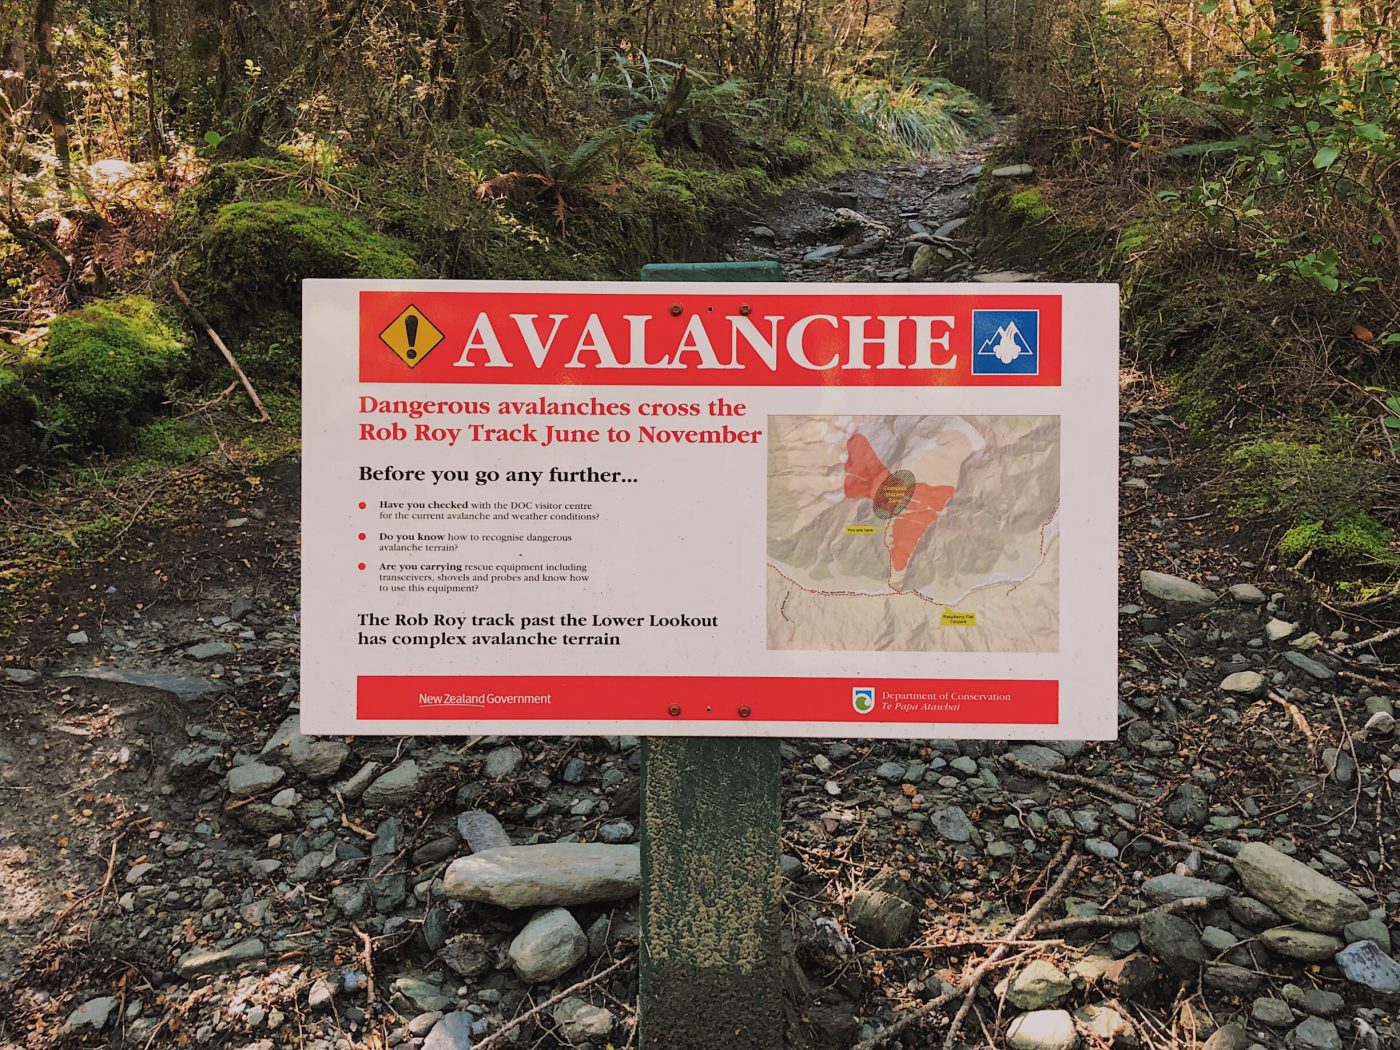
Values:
[(1003, 277), (1296, 891), (823, 254), (1307, 945), (220, 960), (1254, 914), (951, 823), (616, 831), (24, 676), (93, 1014), (77, 638), (949, 228), (551, 944), (211, 650), (422, 993), (453, 1032), (1037, 755), (1105, 1026), (252, 778), (883, 919), (181, 686), (317, 758), (1230, 1036), (467, 955), (1277, 630), (264, 817), (1012, 171), (1248, 594), (763, 233), (1174, 941), (1309, 666), (1316, 1034), (1163, 888), (550, 873), (1339, 765), (1174, 590), (927, 260), (1038, 985), (395, 788), (581, 1021), (1365, 964), (502, 762), (1189, 807), (1043, 1030), (1101, 848), (1231, 979), (1272, 1012), (481, 831), (1321, 1003), (1371, 929), (196, 756), (1249, 683)]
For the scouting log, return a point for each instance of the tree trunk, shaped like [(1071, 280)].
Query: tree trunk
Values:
[(50, 95)]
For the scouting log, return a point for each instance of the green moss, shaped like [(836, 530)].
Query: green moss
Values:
[(169, 441), (1028, 208), (106, 369), (1277, 475), (254, 255), (271, 351), (1349, 538)]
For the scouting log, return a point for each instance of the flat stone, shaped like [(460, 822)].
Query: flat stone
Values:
[(181, 686), (211, 650), (252, 778), (24, 676), (1296, 891), (1307, 945), (467, 955), (1365, 964), (1230, 1036), (1163, 888), (502, 762), (1130, 976), (549, 873), (317, 758), (1250, 683), (1038, 755), (1277, 630), (951, 823), (395, 788), (219, 960), (1272, 1012), (1038, 985), (1003, 277), (1316, 1034), (1174, 941), (1012, 171), (1175, 590), (1372, 929), (1321, 1003), (1043, 1030), (1309, 666), (1231, 979), (582, 1022), (551, 944), (481, 831), (425, 995), (1104, 1026), (453, 1032), (93, 1014), (823, 254), (1248, 593), (949, 228), (1255, 914)]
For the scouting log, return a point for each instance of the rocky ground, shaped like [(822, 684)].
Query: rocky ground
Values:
[(179, 866)]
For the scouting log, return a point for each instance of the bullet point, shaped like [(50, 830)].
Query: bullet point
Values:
[(362, 506), (362, 535), (362, 565)]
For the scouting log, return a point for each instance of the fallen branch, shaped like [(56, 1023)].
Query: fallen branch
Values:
[(1073, 778), (367, 961), (1162, 840), (515, 1022), (971, 982), (1121, 922), (203, 322), (1384, 636)]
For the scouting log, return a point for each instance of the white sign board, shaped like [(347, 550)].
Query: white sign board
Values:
[(710, 509)]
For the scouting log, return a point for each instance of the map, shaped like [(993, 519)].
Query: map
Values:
[(920, 533)]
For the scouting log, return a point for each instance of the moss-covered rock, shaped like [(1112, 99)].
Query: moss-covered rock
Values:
[(254, 254), (1351, 538), (106, 370)]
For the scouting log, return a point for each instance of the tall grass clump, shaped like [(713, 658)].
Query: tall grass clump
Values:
[(925, 115)]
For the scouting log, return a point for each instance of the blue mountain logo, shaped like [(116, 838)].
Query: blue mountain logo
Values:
[(1006, 342)]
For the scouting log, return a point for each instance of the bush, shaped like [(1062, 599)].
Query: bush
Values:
[(254, 255), (106, 370)]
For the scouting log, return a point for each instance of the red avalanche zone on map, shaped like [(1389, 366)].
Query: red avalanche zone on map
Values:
[(911, 506)]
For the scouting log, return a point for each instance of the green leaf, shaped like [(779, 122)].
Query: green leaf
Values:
[(1369, 132), (1325, 157)]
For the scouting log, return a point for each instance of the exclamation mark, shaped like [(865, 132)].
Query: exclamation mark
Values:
[(410, 329)]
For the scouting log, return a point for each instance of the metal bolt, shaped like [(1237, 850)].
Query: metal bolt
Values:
[(745, 309), (676, 309), (674, 710), (744, 712)]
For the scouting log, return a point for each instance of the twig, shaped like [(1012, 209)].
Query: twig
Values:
[(1384, 636), (1120, 922), (346, 822), (1162, 840), (515, 1022), (909, 1019), (203, 322), (1299, 719), (367, 961), (1073, 778)]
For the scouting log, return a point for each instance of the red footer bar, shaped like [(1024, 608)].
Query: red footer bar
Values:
[(712, 699)]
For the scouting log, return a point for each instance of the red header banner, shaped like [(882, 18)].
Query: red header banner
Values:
[(695, 338)]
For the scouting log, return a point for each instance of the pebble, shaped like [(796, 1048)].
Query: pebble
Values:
[(1038, 985), (252, 778), (1365, 964), (1316, 1034), (1301, 944), (545, 874), (551, 944), (1296, 891), (951, 823), (1043, 1030), (453, 1032), (1272, 1012), (581, 1021), (93, 1015), (395, 788)]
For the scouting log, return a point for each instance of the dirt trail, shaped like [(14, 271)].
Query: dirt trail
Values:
[(123, 848)]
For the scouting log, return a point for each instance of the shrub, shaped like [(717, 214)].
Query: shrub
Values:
[(106, 370), (254, 255)]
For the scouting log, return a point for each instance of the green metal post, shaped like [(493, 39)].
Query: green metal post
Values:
[(711, 968)]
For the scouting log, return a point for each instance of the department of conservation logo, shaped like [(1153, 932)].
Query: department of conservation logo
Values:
[(863, 699), (1005, 342)]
